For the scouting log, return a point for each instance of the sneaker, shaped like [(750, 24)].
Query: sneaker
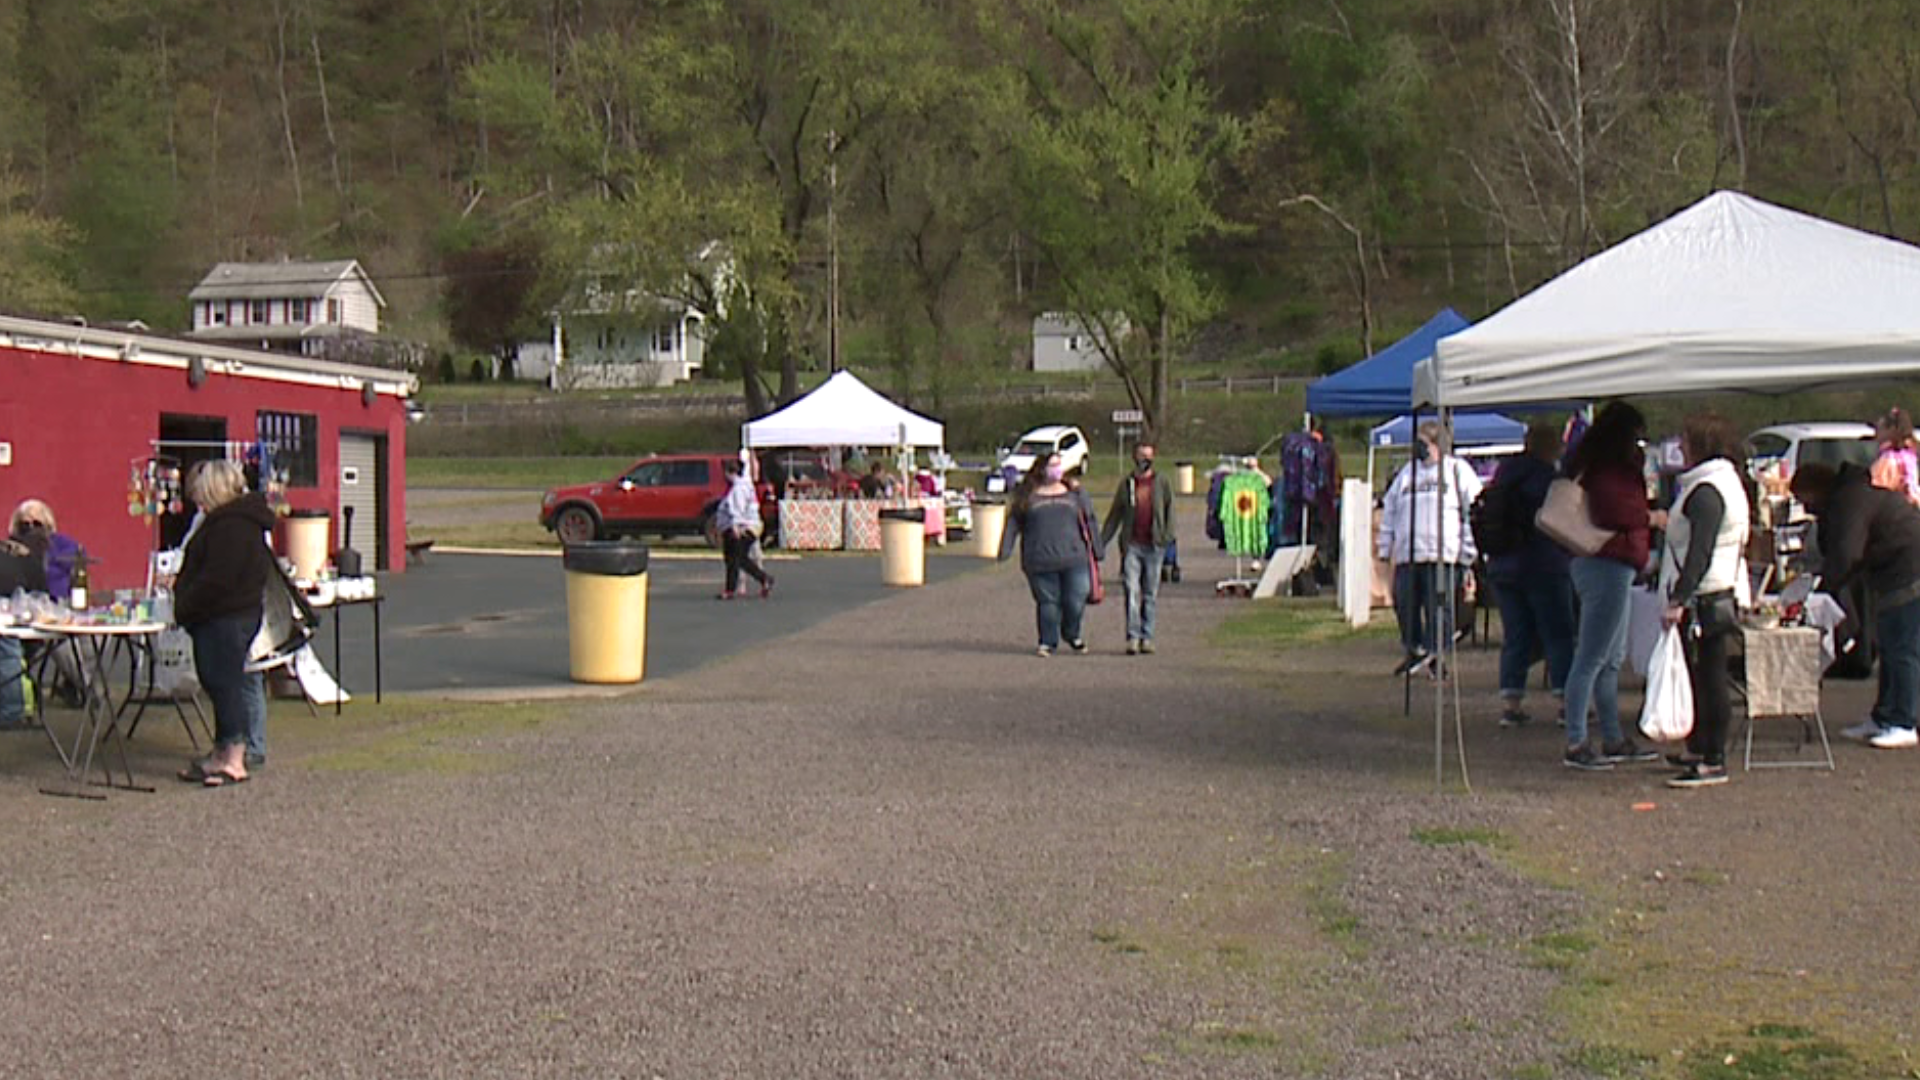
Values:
[(1146, 646), (1895, 738), (1700, 775), (1412, 661), (1684, 760), (1078, 645), (1864, 731), (1045, 651), (1626, 750), (1133, 647), (1515, 718), (1584, 758), (724, 596), (766, 588)]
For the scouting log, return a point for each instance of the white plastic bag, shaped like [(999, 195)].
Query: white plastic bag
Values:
[(1668, 713)]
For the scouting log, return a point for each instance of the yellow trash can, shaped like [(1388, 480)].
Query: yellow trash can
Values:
[(903, 547), (606, 611), (989, 525), (1183, 478), (306, 542)]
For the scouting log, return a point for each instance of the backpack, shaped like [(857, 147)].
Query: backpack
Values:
[(1494, 517)]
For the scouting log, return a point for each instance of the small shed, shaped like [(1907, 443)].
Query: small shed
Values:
[(1061, 342), (86, 408)]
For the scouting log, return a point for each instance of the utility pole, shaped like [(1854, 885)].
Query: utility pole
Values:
[(833, 253)]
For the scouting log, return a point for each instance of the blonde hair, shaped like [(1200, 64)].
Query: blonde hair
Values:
[(29, 511), (213, 484)]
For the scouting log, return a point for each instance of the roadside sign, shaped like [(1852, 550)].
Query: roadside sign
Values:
[(1129, 416)]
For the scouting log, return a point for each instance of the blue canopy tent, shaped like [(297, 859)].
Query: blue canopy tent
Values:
[(1382, 384), (1469, 429)]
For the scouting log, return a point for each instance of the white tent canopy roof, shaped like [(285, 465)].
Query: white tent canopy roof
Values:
[(843, 411), (1730, 294)]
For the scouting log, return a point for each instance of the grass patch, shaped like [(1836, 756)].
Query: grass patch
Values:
[(1337, 922), (1612, 1062), (1118, 941), (1443, 836), (1776, 1052), (522, 473), (1265, 626), (1561, 950), (435, 737)]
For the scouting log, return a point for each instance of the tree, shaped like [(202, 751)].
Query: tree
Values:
[(1116, 166)]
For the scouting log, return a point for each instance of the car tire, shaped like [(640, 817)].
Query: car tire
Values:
[(576, 525)]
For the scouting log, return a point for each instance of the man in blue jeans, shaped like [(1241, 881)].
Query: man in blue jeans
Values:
[(1530, 576), (1873, 533), (1142, 516)]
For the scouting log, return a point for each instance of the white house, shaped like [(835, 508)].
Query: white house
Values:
[(286, 306), (1061, 343), (623, 340)]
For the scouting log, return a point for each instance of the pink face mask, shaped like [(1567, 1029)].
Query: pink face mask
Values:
[(1055, 471)]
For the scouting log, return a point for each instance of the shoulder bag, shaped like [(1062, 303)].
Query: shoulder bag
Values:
[(1096, 591), (1564, 519)]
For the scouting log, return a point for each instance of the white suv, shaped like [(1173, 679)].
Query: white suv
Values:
[(1805, 444), (1036, 445)]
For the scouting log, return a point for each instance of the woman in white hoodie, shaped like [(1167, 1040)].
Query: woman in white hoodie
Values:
[(1424, 531), (1703, 572)]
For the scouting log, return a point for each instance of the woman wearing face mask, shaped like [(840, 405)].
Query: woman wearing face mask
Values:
[(1052, 519), (1423, 530)]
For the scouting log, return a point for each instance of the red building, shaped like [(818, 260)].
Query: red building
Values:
[(82, 409)]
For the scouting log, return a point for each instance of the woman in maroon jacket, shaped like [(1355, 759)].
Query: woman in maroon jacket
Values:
[(1609, 464)]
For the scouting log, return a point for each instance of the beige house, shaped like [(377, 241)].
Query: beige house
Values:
[(296, 307)]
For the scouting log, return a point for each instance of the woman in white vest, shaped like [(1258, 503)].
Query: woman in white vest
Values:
[(1703, 572)]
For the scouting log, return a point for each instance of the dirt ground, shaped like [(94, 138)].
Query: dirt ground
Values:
[(901, 845)]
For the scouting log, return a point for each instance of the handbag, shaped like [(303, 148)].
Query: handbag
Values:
[(1563, 518), (1667, 715), (1096, 592)]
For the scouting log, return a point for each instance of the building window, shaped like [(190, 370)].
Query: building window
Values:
[(294, 441), (664, 338), (216, 315), (257, 312), (333, 310), (297, 311)]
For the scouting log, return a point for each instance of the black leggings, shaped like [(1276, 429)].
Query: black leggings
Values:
[(738, 550), (1712, 703)]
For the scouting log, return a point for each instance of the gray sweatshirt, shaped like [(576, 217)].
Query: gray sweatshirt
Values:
[(1049, 531)]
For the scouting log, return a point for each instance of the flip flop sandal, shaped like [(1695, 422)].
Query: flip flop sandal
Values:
[(194, 773), (221, 778)]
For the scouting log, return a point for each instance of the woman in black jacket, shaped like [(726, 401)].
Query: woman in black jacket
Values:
[(218, 600)]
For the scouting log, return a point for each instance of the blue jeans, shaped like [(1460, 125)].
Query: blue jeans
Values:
[(13, 697), (220, 660), (1140, 580), (1422, 601), (1594, 676), (1060, 602), (1536, 612), (1898, 703), (256, 718)]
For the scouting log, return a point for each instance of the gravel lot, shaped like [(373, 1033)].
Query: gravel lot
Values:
[(899, 845)]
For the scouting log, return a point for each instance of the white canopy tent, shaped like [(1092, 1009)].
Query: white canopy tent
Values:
[(843, 411), (1730, 294)]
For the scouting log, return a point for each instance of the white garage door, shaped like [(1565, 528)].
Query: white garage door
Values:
[(363, 488)]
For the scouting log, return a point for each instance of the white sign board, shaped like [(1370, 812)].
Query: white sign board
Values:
[(1129, 416)]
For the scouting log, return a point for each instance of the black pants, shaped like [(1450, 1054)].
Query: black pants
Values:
[(1712, 702), (738, 550)]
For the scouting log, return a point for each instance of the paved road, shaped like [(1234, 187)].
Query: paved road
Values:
[(498, 622)]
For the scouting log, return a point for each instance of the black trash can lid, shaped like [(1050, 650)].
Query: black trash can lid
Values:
[(916, 514), (309, 514), (607, 558)]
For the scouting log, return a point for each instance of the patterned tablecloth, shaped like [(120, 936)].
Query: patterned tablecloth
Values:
[(811, 524), (850, 524), (1783, 671)]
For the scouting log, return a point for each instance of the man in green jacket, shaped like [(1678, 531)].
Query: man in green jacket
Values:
[(1142, 516)]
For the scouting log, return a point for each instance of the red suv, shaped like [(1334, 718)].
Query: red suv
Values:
[(667, 494)]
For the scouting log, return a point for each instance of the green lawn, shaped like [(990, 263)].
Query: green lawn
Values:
[(532, 473)]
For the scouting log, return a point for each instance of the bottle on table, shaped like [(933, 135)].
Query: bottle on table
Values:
[(77, 590)]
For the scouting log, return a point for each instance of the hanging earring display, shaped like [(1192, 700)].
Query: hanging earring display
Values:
[(153, 488)]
